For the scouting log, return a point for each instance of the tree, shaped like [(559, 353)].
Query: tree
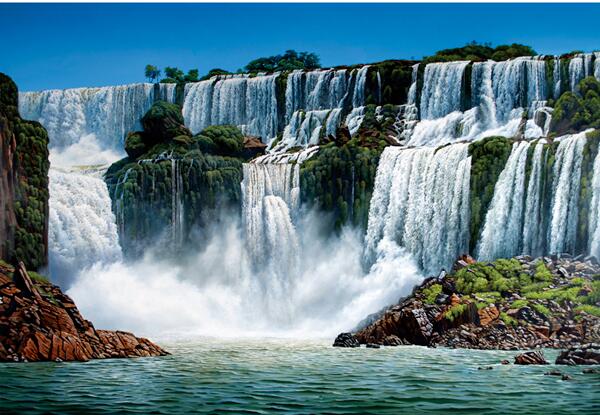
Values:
[(152, 73), (192, 75), (289, 61), (173, 73)]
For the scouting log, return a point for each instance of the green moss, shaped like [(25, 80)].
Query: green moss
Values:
[(455, 311), (430, 293), (508, 320), (542, 273), (518, 304), (488, 157), (589, 309), (578, 110), (542, 309)]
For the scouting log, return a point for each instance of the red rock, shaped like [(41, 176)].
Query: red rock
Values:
[(33, 328), (488, 315)]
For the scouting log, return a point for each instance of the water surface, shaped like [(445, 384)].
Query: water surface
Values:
[(302, 377)]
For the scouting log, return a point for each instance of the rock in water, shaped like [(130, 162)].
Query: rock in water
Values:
[(38, 322), (585, 355), (346, 340), (530, 358)]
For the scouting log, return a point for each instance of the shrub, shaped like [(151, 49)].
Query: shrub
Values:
[(589, 309), (431, 293), (542, 273)]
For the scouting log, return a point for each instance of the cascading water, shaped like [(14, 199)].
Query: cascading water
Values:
[(82, 228), (249, 103), (533, 225), (442, 89), (501, 235), (594, 212), (421, 202), (109, 113), (565, 193)]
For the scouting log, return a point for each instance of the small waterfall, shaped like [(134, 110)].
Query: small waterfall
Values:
[(305, 128), (502, 232), (358, 97), (177, 224), (82, 228), (442, 89), (412, 91), (565, 193), (249, 103), (533, 230), (421, 202), (408, 114), (597, 65), (355, 119), (576, 71), (557, 77), (109, 112), (594, 212)]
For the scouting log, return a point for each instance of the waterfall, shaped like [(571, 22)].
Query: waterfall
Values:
[(305, 128), (557, 77), (442, 89), (412, 91), (355, 119), (501, 235), (358, 97), (594, 212), (533, 230), (421, 202), (177, 225), (500, 93), (108, 112), (82, 228), (576, 72), (597, 65), (249, 103), (565, 193)]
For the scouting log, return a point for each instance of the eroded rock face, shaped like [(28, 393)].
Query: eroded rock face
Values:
[(38, 322)]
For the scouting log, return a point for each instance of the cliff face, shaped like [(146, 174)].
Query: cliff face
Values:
[(23, 183)]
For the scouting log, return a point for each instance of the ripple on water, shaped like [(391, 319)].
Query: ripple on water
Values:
[(276, 376)]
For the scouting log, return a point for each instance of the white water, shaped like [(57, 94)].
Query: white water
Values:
[(249, 103), (594, 212), (442, 89), (108, 113), (82, 228), (565, 193), (502, 231), (421, 202), (533, 231)]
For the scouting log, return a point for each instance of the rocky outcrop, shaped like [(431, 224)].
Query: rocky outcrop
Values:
[(346, 340), (23, 183), (585, 355), (549, 302), (253, 147), (38, 322)]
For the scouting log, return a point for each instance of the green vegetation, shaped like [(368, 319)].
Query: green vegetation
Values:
[(579, 110), (480, 52), (208, 167), (152, 73), (488, 157), (289, 61), (508, 320), (27, 234), (339, 179), (589, 309), (542, 273), (175, 75), (396, 78), (430, 293), (501, 275), (455, 311)]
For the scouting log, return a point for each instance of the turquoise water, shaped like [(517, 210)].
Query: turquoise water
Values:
[(271, 376)]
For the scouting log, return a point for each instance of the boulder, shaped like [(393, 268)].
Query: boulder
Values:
[(531, 358), (488, 315), (585, 355), (346, 340)]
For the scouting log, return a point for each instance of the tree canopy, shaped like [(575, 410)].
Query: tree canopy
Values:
[(176, 75), (152, 73), (475, 51), (289, 61)]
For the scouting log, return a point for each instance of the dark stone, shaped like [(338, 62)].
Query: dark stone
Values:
[(566, 377), (505, 362), (531, 358), (586, 355), (373, 346), (346, 340), (553, 373)]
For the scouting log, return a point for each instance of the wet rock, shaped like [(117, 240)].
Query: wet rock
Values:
[(441, 299), (586, 355), (589, 370), (566, 377), (531, 358), (393, 340), (485, 368), (346, 340), (373, 346), (553, 373), (505, 362)]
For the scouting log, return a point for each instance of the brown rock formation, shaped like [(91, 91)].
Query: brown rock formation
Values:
[(39, 322)]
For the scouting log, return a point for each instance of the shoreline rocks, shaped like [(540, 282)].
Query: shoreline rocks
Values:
[(38, 322), (517, 304)]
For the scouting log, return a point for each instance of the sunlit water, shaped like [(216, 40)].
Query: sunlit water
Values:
[(304, 377)]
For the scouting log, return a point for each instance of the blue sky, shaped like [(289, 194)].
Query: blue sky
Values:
[(47, 46)]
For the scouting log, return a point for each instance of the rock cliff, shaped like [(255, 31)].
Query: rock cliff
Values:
[(38, 322)]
